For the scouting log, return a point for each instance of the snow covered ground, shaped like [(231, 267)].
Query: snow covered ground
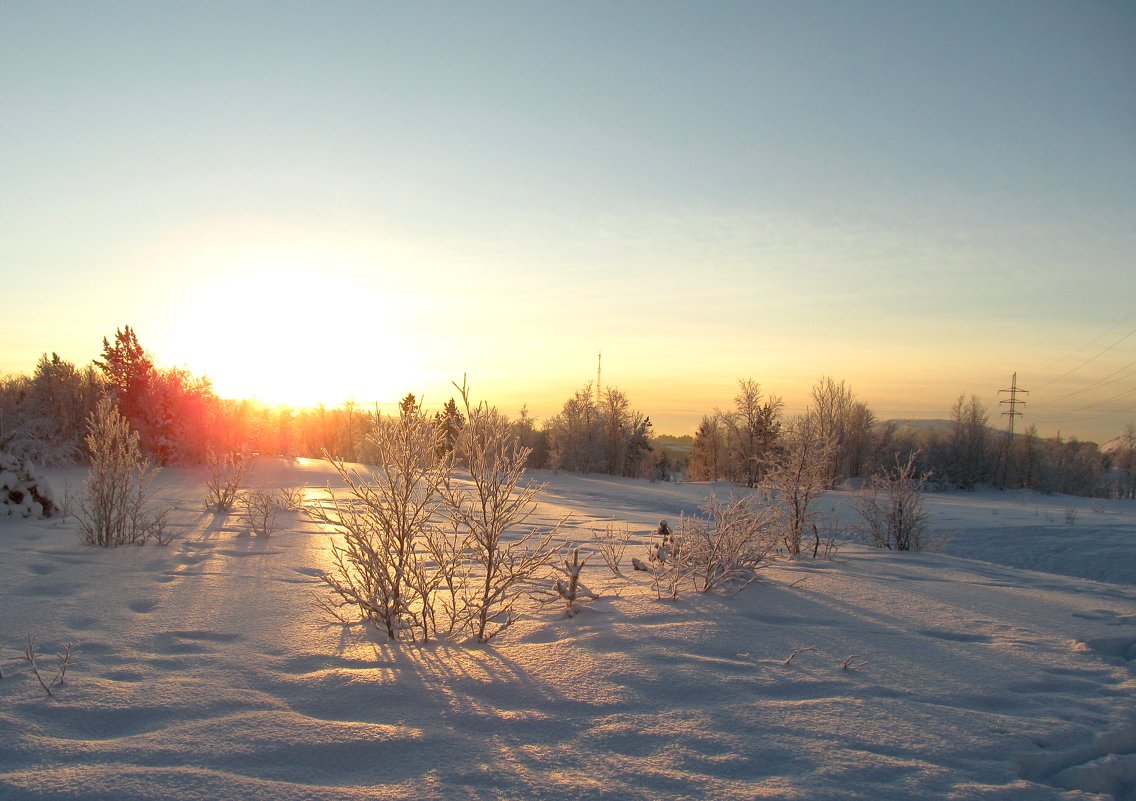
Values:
[(1003, 666)]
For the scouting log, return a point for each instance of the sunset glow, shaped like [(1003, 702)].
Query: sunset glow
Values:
[(370, 201)]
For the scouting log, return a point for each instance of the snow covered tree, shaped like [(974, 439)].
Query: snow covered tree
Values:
[(968, 443), (574, 435), (797, 477), (113, 509), (753, 429), (450, 421), (708, 452), (44, 417)]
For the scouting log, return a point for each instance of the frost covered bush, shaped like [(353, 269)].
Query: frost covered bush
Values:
[(892, 508), (728, 545), (610, 542), (113, 510), (724, 549), (226, 471), (427, 549), (667, 561), (495, 502), (23, 491), (379, 574), (259, 508)]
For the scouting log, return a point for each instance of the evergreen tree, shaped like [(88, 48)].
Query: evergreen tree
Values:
[(129, 371)]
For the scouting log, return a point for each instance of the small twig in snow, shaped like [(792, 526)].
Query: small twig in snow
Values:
[(851, 664), (64, 661), (30, 657), (793, 655)]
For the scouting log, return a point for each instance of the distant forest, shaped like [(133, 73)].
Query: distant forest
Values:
[(180, 419)]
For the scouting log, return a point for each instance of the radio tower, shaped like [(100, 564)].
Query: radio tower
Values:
[(1013, 402), (599, 374)]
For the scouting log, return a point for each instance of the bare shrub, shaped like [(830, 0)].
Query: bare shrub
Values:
[(427, 551), (441, 579), (1070, 515), (494, 503), (825, 548), (226, 472), (292, 498), (610, 542), (892, 508), (258, 509), (728, 546), (113, 509), (379, 574)]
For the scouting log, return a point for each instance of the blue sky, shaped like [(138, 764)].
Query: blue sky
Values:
[(363, 199)]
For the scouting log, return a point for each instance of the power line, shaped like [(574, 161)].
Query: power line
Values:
[(1099, 383), (1088, 361), (1099, 336), (1107, 400)]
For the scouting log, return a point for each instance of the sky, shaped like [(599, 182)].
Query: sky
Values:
[(316, 202)]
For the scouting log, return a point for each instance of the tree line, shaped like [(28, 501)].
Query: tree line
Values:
[(180, 420)]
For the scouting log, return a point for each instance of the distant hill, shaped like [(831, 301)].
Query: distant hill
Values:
[(920, 425), (673, 446)]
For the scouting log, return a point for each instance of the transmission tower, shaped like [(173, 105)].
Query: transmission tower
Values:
[(1013, 402), (599, 374)]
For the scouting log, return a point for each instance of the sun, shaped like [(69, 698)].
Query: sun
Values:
[(282, 332)]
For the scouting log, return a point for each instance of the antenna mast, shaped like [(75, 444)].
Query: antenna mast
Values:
[(599, 374)]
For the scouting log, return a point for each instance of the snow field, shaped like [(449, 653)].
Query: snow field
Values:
[(205, 669)]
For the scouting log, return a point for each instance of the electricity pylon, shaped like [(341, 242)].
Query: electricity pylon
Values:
[(1013, 402)]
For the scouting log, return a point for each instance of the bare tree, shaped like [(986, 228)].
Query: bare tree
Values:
[(849, 425), (968, 442), (798, 476), (708, 451), (754, 426), (615, 417), (574, 434)]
